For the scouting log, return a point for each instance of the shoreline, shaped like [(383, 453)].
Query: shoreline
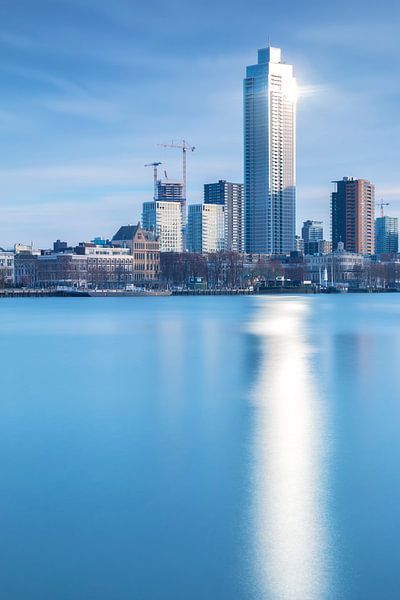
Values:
[(43, 293)]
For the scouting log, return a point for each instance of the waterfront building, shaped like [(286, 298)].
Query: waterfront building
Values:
[(66, 269), (144, 247), (206, 228), (340, 266), (88, 268), (353, 215), (270, 154), (386, 235), (231, 197), (6, 268), (165, 219), (26, 269)]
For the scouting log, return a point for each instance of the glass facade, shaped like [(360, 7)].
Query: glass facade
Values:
[(312, 231), (386, 235), (269, 95)]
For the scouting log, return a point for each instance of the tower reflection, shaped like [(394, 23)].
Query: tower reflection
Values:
[(290, 527)]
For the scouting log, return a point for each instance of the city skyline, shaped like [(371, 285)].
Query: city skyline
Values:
[(80, 117)]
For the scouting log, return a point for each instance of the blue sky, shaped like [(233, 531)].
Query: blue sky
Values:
[(89, 87)]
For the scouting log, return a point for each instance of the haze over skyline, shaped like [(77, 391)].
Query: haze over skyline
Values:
[(89, 89)]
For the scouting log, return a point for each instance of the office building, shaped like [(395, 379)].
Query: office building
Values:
[(353, 215), (171, 190), (386, 235), (270, 154), (164, 218), (206, 228), (312, 231), (231, 197)]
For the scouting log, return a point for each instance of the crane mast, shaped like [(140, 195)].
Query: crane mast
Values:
[(155, 166), (184, 146), (382, 204)]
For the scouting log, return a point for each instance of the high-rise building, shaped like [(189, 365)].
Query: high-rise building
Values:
[(206, 228), (169, 189), (164, 218), (312, 231), (386, 235), (229, 195), (353, 215), (270, 154)]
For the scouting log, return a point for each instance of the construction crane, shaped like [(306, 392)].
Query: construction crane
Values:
[(184, 146), (382, 204), (155, 165)]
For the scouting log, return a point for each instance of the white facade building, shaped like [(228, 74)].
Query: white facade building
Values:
[(206, 228), (339, 266), (270, 154), (165, 219), (6, 268)]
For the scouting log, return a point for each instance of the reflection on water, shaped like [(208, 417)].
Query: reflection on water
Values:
[(290, 528)]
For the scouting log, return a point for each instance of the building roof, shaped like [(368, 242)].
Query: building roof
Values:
[(126, 233)]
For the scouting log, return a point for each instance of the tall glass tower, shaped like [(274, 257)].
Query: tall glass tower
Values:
[(270, 154)]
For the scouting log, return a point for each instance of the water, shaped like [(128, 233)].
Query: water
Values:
[(200, 448)]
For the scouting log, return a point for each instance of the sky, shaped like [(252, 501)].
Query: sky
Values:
[(88, 88)]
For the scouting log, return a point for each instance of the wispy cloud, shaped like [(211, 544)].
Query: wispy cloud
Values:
[(50, 219)]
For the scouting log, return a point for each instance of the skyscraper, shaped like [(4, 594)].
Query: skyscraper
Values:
[(270, 154), (386, 235), (229, 195), (353, 215)]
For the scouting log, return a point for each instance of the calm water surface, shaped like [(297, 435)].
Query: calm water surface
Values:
[(200, 448)]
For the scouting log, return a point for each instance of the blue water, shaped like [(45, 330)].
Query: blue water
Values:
[(200, 448)]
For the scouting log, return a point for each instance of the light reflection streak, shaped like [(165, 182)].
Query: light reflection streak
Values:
[(290, 526)]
